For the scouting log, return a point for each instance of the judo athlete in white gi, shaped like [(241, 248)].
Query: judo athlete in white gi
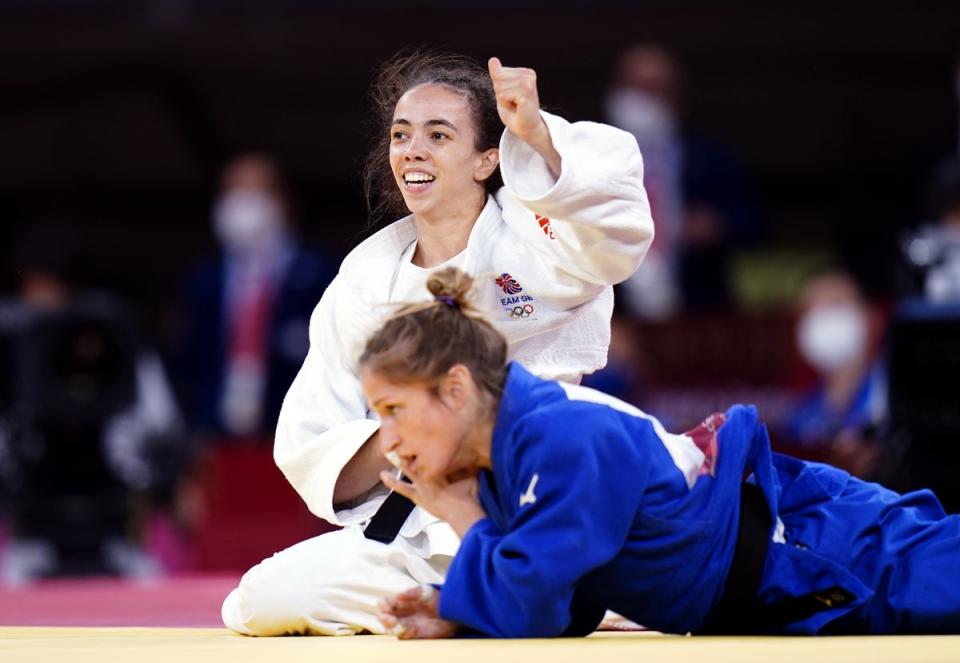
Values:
[(570, 220), (570, 502)]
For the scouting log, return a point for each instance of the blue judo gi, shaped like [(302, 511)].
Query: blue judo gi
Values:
[(592, 505)]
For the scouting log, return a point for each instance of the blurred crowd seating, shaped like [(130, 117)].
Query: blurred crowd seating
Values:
[(245, 510), (699, 363)]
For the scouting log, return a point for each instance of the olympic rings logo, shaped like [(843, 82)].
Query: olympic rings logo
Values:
[(524, 311)]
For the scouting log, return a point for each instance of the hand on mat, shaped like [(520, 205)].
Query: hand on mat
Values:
[(412, 615), (452, 498)]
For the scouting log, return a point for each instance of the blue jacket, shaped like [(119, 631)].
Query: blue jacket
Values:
[(592, 505)]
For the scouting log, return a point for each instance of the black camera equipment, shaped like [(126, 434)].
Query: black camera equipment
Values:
[(66, 372)]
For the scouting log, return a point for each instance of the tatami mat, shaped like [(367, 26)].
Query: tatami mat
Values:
[(160, 645)]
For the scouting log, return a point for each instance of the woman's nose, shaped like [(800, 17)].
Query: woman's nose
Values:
[(388, 448), (416, 148), (389, 440)]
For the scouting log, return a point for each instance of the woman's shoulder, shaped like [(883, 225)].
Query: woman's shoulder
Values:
[(540, 409), (510, 206), (563, 434), (573, 407), (386, 244)]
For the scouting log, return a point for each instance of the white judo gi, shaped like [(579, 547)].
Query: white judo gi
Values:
[(544, 254)]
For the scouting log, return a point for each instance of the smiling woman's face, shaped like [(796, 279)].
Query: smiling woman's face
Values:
[(433, 153)]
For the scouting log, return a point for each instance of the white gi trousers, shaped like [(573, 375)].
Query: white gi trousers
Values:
[(327, 585)]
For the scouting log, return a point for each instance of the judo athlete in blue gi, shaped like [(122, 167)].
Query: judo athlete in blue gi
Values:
[(570, 502)]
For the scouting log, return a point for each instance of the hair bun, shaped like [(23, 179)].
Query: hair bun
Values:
[(452, 287)]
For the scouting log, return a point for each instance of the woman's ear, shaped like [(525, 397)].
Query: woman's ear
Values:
[(488, 162), (456, 387)]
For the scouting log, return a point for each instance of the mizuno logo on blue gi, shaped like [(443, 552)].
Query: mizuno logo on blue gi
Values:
[(528, 497)]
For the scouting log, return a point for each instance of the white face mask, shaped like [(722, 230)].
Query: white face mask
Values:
[(648, 118), (247, 221), (832, 337)]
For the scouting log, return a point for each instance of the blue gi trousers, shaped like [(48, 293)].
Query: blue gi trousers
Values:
[(896, 556)]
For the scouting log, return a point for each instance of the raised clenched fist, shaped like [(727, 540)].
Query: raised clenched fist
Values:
[(517, 100)]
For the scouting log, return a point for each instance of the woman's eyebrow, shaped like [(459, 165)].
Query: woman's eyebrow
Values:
[(441, 122), (445, 123)]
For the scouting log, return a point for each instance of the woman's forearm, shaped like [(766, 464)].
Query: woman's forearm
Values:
[(542, 143), (362, 472)]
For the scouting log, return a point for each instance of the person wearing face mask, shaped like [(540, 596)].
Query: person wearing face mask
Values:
[(247, 310), (698, 195), (836, 336)]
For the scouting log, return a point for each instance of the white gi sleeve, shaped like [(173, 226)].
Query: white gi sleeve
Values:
[(593, 223), (323, 421)]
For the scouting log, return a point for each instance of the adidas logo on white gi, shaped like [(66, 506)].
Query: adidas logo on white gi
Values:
[(528, 497)]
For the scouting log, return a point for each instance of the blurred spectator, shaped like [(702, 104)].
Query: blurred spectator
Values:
[(925, 344), (697, 190), (932, 253), (838, 334), (90, 421), (246, 311)]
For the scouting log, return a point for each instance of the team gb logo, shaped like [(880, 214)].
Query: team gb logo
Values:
[(509, 284)]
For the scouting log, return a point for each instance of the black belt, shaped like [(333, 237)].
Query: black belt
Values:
[(389, 518), (739, 611), (736, 611)]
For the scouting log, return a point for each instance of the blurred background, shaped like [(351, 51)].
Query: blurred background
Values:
[(179, 180)]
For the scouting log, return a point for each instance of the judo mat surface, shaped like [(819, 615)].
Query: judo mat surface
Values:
[(180, 645), (177, 621)]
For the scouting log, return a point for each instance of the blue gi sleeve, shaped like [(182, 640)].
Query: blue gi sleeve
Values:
[(576, 485)]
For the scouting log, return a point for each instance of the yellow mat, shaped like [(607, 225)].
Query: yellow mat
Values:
[(172, 645)]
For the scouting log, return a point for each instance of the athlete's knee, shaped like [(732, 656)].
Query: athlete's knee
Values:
[(289, 593), (266, 602), (231, 612)]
